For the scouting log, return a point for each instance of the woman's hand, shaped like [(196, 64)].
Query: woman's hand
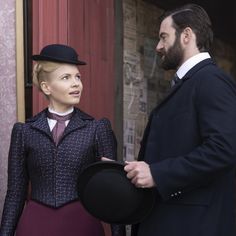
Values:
[(106, 159)]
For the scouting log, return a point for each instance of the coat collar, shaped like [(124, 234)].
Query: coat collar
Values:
[(78, 120), (188, 75)]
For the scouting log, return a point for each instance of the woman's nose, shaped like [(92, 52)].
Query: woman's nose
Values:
[(76, 82)]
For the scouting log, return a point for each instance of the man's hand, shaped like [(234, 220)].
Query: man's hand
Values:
[(140, 174)]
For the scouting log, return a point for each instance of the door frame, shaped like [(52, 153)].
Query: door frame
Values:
[(20, 73)]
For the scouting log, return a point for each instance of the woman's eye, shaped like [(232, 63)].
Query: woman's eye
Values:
[(65, 78), (78, 77)]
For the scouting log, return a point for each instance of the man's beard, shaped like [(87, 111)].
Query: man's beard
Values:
[(173, 56)]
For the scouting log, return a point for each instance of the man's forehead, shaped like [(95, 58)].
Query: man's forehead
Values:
[(166, 25), (167, 22)]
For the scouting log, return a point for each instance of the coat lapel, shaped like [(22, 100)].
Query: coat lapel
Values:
[(189, 75), (172, 91)]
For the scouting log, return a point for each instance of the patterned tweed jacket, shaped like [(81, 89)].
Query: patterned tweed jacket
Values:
[(52, 170)]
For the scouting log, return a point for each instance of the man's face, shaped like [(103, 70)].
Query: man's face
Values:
[(169, 47)]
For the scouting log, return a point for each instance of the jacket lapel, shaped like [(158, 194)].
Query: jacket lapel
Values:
[(188, 75), (78, 121), (40, 123)]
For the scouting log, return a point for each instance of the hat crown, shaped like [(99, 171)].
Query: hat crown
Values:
[(59, 53)]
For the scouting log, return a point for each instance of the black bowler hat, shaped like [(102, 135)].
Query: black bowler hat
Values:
[(107, 194), (59, 53)]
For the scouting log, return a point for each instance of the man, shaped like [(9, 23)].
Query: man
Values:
[(188, 152)]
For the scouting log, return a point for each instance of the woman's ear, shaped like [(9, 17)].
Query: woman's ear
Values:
[(45, 88)]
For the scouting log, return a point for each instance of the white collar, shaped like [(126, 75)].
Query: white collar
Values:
[(61, 113), (191, 62)]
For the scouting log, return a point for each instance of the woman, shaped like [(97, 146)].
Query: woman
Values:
[(50, 150)]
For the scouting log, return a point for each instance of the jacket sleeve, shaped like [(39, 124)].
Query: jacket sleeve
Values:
[(17, 183), (106, 145), (215, 104)]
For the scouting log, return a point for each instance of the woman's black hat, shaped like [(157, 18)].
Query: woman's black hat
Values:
[(59, 53), (107, 193)]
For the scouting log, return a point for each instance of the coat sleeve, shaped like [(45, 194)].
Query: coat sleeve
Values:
[(17, 183), (106, 145), (215, 103)]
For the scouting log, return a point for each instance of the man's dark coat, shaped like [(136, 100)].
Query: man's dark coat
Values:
[(190, 144)]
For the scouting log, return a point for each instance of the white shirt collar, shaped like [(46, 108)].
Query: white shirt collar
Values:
[(61, 113), (52, 122), (191, 62)]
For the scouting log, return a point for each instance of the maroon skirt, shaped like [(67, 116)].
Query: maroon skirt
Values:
[(71, 219)]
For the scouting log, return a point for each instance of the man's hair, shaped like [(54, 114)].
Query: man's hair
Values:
[(195, 17)]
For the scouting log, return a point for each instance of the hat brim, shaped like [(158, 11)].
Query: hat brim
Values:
[(53, 59), (107, 193)]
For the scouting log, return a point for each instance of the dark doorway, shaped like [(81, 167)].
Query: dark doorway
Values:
[(27, 4)]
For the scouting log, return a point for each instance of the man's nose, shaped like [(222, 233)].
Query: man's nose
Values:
[(159, 46)]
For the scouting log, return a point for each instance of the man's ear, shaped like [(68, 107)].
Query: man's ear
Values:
[(187, 34), (45, 88)]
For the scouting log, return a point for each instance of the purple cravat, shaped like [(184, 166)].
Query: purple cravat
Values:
[(60, 126)]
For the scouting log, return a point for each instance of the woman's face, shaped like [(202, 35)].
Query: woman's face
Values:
[(63, 87)]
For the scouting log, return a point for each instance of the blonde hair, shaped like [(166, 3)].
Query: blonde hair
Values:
[(40, 71)]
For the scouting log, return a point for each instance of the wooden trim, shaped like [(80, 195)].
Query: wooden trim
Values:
[(20, 90), (118, 70)]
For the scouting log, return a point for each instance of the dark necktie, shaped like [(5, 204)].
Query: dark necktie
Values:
[(175, 80), (60, 126)]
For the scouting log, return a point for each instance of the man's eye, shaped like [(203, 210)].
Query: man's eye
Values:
[(163, 38)]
